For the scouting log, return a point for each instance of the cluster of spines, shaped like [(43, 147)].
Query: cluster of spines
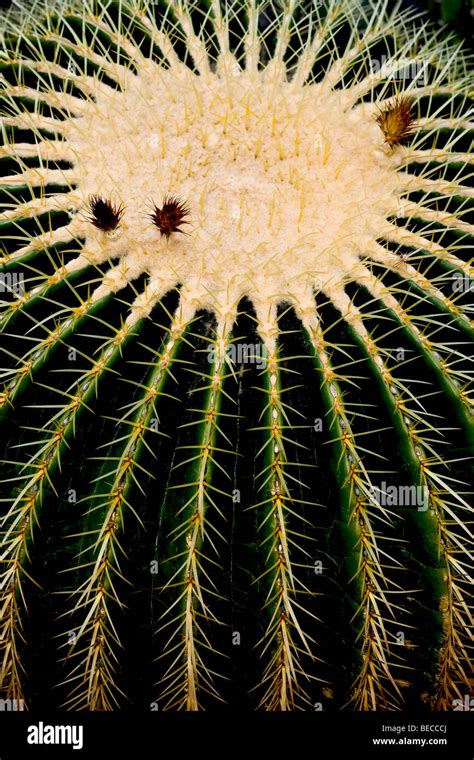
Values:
[(195, 540), (284, 643), (443, 516), (94, 636), (375, 686)]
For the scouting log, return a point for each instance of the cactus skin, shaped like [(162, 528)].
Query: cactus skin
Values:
[(164, 502)]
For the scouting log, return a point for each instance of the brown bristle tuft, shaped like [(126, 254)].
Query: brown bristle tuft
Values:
[(397, 121), (104, 215), (170, 216)]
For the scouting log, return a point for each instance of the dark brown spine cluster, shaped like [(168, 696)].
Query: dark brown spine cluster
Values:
[(170, 216), (397, 121), (104, 215)]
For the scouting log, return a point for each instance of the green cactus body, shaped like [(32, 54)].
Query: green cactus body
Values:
[(235, 339)]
